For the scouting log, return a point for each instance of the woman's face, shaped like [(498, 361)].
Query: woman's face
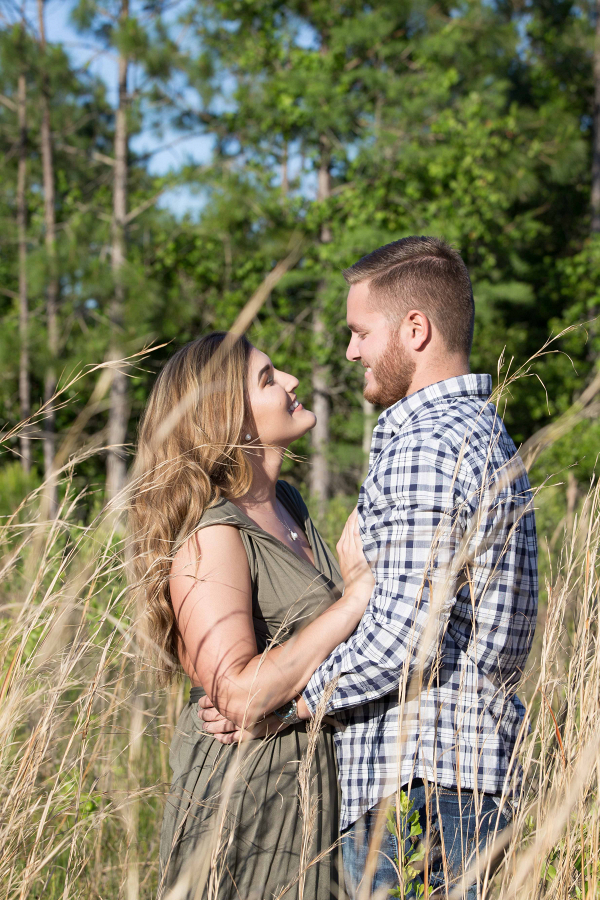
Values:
[(279, 418)]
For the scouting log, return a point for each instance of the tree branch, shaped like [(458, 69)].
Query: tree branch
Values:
[(10, 104), (95, 155), (138, 210)]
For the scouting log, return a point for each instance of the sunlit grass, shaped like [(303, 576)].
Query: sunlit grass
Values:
[(84, 734)]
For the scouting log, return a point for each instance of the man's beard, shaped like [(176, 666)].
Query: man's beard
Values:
[(393, 373)]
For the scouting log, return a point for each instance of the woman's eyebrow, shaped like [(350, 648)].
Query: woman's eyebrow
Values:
[(264, 370)]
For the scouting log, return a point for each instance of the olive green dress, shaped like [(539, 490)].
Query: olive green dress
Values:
[(234, 824)]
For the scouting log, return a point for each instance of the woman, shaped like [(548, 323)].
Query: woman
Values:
[(241, 591)]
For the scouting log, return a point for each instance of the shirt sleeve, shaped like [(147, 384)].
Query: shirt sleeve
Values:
[(411, 543)]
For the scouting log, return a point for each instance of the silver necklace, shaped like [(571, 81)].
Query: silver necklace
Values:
[(293, 534)]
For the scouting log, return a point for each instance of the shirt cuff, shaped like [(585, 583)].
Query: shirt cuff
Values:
[(312, 694)]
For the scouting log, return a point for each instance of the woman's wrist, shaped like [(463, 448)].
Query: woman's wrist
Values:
[(271, 725), (287, 713), (356, 594)]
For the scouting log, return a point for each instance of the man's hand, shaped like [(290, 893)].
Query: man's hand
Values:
[(302, 708)]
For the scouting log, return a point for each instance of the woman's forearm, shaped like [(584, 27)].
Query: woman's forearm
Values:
[(271, 679)]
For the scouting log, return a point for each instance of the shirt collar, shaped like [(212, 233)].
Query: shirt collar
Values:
[(395, 416)]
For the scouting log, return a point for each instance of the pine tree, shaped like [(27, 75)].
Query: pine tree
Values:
[(52, 288), (117, 27), (595, 192), (24, 358)]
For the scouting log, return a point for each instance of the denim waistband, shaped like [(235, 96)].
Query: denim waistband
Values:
[(442, 788)]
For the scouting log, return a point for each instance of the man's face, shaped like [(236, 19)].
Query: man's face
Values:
[(376, 343)]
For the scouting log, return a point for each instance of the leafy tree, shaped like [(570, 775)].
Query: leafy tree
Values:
[(352, 124)]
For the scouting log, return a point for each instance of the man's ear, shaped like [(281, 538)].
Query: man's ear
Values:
[(417, 329)]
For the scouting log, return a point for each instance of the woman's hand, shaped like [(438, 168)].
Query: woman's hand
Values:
[(214, 723), (355, 569), (227, 732)]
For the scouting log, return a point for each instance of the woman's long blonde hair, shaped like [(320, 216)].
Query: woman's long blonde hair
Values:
[(190, 454)]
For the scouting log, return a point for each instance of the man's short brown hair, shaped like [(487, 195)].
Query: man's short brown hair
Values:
[(423, 273)]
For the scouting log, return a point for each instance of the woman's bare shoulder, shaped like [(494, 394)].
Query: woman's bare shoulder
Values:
[(210, 549)]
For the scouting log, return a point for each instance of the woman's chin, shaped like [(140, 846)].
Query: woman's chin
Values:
[(312, 420), (306, 422)]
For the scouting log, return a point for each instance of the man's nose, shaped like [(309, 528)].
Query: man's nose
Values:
[(352, 353)]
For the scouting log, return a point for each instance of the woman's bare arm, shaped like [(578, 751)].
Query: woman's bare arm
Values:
[(211, 594)]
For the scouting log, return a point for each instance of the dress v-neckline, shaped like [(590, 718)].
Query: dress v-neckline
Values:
[(276, 539)]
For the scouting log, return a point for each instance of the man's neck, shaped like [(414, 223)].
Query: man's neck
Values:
[(432, 373)]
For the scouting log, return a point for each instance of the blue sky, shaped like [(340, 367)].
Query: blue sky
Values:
[(85, 53), (170, 150)]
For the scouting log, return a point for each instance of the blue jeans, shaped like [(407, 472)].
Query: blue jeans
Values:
[(453, 824)]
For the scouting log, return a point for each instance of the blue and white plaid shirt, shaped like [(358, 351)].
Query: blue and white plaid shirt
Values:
[(426, 684)]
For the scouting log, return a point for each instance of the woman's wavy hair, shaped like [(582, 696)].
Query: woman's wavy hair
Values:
[(189, 455)]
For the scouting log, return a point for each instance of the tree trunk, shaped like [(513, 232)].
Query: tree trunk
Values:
[(320, 477), (285, 182), (596, 138), (118, 405), (24, 385), (52, 288)]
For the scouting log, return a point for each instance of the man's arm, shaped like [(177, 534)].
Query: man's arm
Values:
[(412, 543)]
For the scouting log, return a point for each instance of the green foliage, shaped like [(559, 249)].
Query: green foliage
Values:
[(404, 824), (337, 511), (430, 118), (585, 876), (15, 486)]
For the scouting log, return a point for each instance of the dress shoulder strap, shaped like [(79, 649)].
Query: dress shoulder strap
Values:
[(226, 513), (222, 513), (292, 500)]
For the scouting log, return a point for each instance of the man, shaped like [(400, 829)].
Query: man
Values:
[(426, 685)]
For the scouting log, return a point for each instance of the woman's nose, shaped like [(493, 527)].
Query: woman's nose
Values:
[(287, 381)]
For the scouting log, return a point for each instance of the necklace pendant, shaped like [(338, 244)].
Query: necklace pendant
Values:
[(293, 535)]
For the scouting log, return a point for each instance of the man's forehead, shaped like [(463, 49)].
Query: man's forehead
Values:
[(359, 292), (360, 310)]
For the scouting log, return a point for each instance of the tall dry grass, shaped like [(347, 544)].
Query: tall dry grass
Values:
[(84, 736)]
